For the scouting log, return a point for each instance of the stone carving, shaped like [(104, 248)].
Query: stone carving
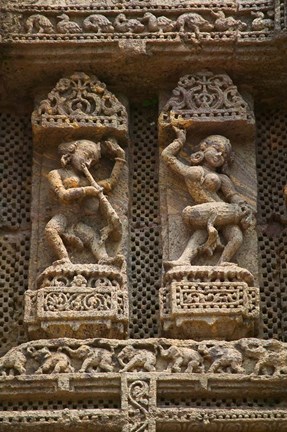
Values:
[(133, 360), (84, 101), (85, 288), (218, 207), (271, 357), (205, 96), (56, 362), (39, 24), (198, 301), (138, 401), (61, 307), (66, 26), (159, 24), (244, 357), (13, 363), (123, 24), (223, 24), (206, 25), (98, 23), (193, 22), (223, 359), (260, 23), (195, 302), (75, 187), (95, 359), (180, 357)]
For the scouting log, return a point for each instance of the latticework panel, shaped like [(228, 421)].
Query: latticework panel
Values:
[(145, 247), (272, 178), (15, 173)]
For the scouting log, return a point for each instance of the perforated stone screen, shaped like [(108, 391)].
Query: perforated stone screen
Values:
[(15, 172), (145, 231), (272, 234)]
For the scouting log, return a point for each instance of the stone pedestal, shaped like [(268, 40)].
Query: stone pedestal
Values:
[(201, 302), (78, 300)]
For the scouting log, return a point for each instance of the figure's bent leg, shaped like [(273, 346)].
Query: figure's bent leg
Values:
[(53, 231), (213, 239), (191, 250), (91, 239), (234, 238)]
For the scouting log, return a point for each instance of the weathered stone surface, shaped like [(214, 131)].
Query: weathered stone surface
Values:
[(85, 230), (200, 302)]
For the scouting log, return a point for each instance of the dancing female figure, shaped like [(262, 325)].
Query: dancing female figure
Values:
[(218, 207), (82, 198)]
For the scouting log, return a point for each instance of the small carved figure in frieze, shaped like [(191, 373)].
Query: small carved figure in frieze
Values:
[(218, 207), (181, 357), (124, 24), (67, 26), (95, 359), (132, 359), (271, 356), (98, 23), (39, 24), (81, 196), (51, 362), (260, 23), (159, 24), (223, 359), (13, 363), (193, 22), (223, 23)]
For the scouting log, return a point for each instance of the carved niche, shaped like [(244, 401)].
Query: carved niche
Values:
[(78, 281), (208, 192)]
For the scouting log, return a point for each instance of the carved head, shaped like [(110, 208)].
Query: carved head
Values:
[(215, 151), (79, 153)]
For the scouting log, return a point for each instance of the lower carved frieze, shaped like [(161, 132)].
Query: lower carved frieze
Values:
[(247, 357), (140, 384)]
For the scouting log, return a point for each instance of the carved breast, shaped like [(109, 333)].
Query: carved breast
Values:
[(212, 182)]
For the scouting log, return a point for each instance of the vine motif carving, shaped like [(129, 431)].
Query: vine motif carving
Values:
[(138, 398), (205, 95), (81, 95), (66, 301)]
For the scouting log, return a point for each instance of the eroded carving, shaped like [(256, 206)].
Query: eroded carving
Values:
[(84, 291), (244, 357), (218, 207), (179, 357), (77, 190), (205, 96), (134, 360), (39, 24), (219, 220), (51, 362), (66, 26), (84, 101)]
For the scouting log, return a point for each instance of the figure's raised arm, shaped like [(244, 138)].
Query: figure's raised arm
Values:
[(118, 154), (170, 152)]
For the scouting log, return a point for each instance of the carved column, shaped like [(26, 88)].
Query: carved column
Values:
[(78, 282), (208, 196)]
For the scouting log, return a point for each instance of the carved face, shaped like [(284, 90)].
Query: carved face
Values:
[(216, 150), (79, 153)]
